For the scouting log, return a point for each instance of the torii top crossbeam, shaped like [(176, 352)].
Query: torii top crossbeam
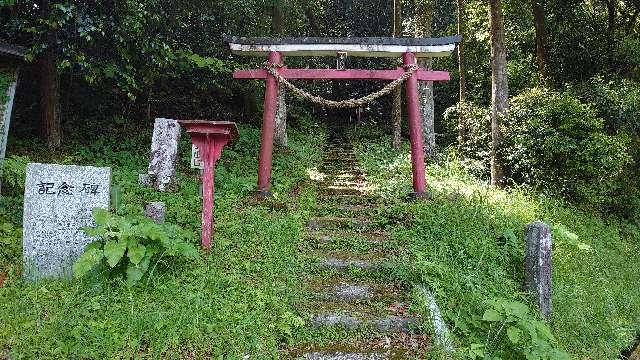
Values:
[(354, 46)]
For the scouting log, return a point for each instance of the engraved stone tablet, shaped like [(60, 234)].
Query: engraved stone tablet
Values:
[(58, 200)]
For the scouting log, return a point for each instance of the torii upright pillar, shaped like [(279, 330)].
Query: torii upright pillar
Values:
[(265, 158), (415, 130)]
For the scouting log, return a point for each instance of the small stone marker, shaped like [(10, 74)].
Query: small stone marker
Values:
[(58, 200), (156, 211), (164, 156), (537, 265)]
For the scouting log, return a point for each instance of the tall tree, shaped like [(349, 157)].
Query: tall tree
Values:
[(499, 89), (51, 127), (424, 28), (541, 41), (397, 93), (461, 70), (277, 26)]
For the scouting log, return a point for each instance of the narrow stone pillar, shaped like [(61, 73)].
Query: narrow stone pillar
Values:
[(537, 265), (164, 156), (156, 211)]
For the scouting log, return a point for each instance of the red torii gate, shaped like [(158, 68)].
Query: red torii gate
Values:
[(408, 48)]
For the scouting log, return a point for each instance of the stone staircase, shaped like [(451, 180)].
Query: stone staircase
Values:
[(352, 290)]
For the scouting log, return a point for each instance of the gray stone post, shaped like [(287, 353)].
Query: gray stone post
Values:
[(537, 265), (164, 156), (156, 211)]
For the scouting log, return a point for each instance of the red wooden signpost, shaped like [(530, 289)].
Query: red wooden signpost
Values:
[(409, 49), (210, 137)]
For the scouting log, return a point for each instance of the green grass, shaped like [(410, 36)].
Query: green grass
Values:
[(245, 296), (461, 244), (236, 300)]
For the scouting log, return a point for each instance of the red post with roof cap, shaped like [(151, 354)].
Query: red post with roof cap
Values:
[(210, 137), (415, 129), (268, 128)]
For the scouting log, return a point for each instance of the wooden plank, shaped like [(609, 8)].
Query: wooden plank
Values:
[(356, 50), (350, 74)]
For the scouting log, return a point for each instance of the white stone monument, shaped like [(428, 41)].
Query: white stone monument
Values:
[(58, 200)]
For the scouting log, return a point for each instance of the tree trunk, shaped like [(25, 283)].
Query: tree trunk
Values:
[(280, 136), (281, 119), (424, 28), (313, 22), (462, 127), (499, 89), (397, 93), (541, 42), (51, 126)]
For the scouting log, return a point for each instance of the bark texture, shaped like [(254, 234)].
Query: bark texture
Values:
[(280, 137), (424, 28), (51, 126), (397, 93), (541, 41), (462, 124), (499, 89)]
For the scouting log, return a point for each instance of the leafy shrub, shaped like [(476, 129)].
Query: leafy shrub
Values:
[(10, 243), (475, 145), (526, 335), (129, 245), (13, 174), (618, 104), (555, 142)]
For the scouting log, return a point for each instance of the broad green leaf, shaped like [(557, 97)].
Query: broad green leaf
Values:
[(516, 308), (134, 274), (90, 258), (101, 216), (514, 334), (476, 351), (91, 231), (144, 263), (136, 253), (114, 250), (492, 315)]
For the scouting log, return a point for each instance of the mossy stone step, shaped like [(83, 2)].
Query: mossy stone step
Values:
[(343, 290), (338, 190), (344, 356), (350, 321), (334, 222), (335, 263), (372, 239)]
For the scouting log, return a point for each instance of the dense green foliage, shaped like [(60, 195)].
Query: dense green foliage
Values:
[(467, 245), (554, 141), (130, 245)]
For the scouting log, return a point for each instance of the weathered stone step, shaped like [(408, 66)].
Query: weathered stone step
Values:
[(341, 190), (343, 290), (393, 346), (341, 199), (371, 238), (351, 211), (341, 264), (334, 222), (351, 321), (344, 356)]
